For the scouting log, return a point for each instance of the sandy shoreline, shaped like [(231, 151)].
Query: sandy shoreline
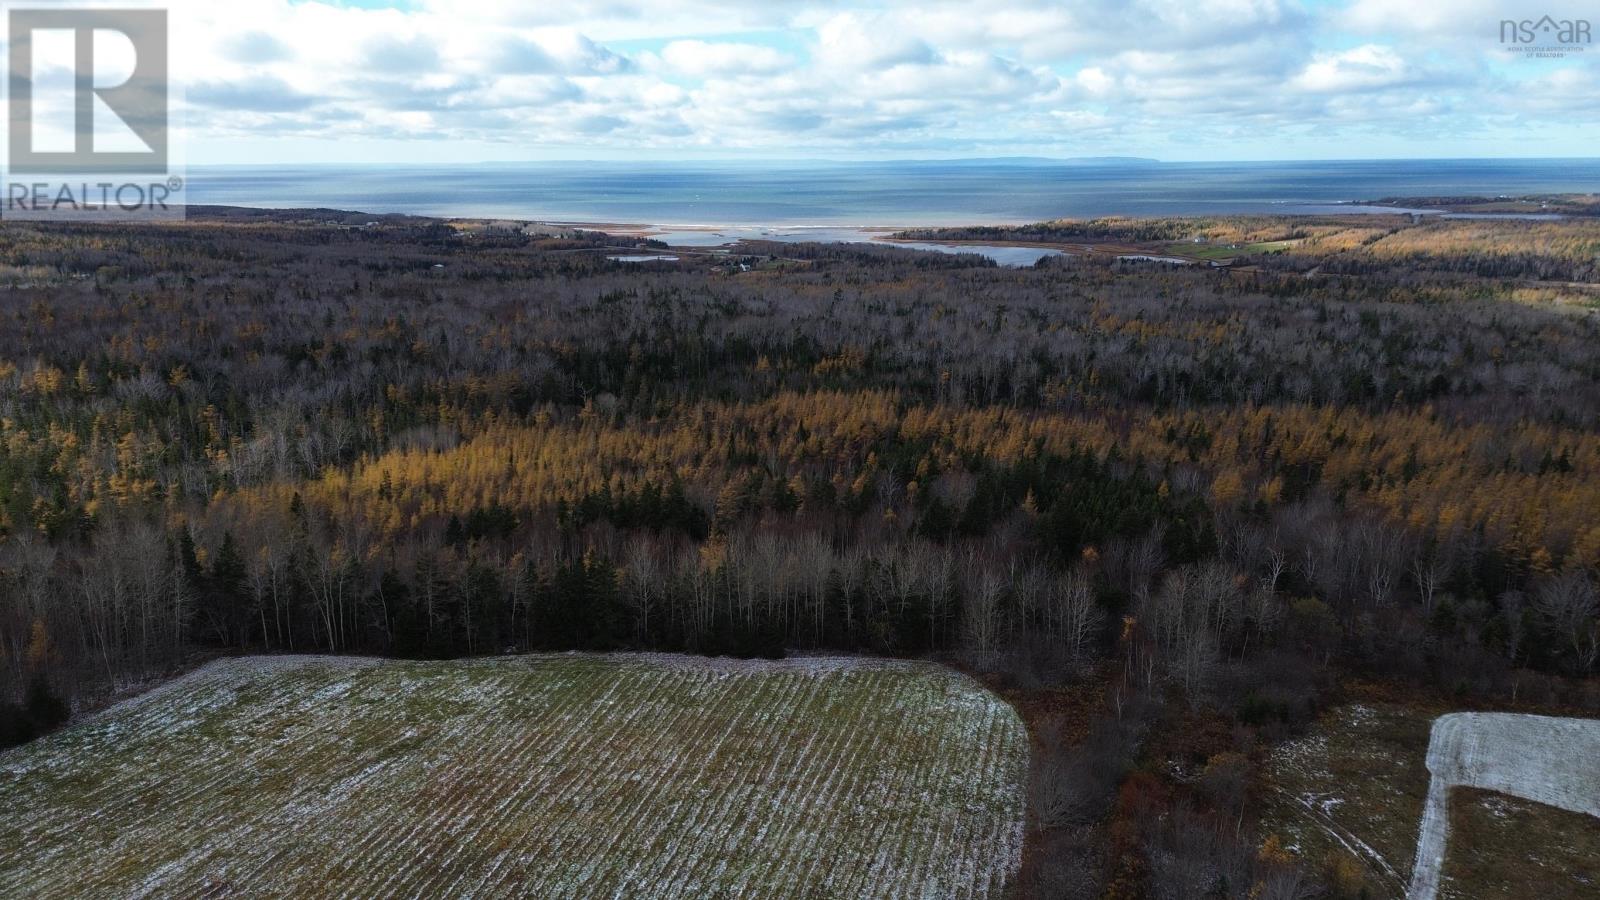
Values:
[(702, 236), (638, 229)]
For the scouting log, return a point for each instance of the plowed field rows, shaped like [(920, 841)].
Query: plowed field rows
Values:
[(563, 776)]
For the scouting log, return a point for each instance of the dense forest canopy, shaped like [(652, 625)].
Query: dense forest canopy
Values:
[(424, 438), (1370, 450)]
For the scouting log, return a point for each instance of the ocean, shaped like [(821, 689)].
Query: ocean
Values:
[(852, 195)]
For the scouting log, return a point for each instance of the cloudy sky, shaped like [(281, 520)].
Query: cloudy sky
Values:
[(471, 80)]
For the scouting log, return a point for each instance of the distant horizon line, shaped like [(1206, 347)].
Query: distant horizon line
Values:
[(795, 162)]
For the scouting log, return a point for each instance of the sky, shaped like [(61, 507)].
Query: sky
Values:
[(460, 81)]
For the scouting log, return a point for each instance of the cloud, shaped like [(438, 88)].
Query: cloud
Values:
[(577, 53), (517, 55), (254, 47), (1478, 20), (1138, 77), (608, 20), (594, 125), (1562, 94), (858, 41), (698, 59), (408, 55), (1041, 30), (1365, 68), (264, 94)]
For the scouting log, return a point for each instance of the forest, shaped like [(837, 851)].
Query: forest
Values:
[(1213, 495)]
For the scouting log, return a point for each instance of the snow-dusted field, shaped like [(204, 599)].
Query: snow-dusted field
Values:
[(549, 776), (1547, 760), (1358, 784), (1354, 786)]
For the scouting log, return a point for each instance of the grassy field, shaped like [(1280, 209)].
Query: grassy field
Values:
[(1225, 251), (560, 776), (1505, 847), (1356, 785)]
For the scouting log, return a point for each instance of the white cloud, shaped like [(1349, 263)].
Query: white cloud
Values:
[(1146, 77), (863, 41), (1364, 68), (1564, 94), (1095, 82), (699, 59), (1477, 20)]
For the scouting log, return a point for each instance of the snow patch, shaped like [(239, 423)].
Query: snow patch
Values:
[(1540, 758)]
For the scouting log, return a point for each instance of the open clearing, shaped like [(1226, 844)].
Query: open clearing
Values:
[(550, 776), (1357, 784)]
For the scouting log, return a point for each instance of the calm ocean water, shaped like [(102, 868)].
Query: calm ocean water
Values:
[(855, 194)]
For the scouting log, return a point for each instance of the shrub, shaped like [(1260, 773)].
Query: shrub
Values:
[(43, 706), (16, 726)]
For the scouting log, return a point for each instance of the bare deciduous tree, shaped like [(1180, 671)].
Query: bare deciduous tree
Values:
[(1570, 602)]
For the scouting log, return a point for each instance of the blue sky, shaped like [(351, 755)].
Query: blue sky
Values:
[(271, 81)]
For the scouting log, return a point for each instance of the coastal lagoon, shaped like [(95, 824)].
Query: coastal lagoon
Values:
[(685, 236)]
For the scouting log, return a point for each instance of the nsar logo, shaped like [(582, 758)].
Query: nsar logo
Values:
[(1545, 38)]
